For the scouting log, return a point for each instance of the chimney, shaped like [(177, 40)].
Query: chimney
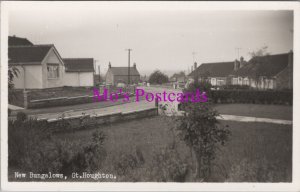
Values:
[(242, 62), (109, 65), (134, 65), (195, 65), (290, 70)]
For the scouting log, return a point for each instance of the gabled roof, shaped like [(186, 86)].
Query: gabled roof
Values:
[(15, 41), (220, 69), (123, 71), (79, 64), (269, 65), (27, 54)]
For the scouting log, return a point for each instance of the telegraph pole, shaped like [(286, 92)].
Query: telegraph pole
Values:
[(128, 65), (95, 69), (99, 74)]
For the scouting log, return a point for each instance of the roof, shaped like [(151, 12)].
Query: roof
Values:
[(269, 65), (79, 64), (13, 41), (123, 71), (221, 69), (27, 54), (178, 75)]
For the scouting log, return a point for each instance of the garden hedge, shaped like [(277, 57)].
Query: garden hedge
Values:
[(252, 96)]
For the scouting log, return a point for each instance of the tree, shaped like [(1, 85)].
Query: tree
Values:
[(157, 77), (12, 73), (201, 131)]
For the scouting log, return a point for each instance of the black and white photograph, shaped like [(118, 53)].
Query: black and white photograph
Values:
[(155, 94)]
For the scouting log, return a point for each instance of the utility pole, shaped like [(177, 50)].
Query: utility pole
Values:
[(128, 65), (95, 69), (99, 74)]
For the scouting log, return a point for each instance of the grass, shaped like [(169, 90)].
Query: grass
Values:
[(255, 110), (256, 152)]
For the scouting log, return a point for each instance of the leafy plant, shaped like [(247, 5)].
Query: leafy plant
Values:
[(201, 131), (157, 77), (167, 166)]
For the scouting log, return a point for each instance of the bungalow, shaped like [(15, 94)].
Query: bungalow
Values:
[(266, 72), (15, 41), (40, 66), (117, 75), (79, 72), (215, 73), (178, 77)]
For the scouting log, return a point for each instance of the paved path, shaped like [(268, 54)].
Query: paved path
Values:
[(253, 119), (148, 105), (13, 107), (128, 107)]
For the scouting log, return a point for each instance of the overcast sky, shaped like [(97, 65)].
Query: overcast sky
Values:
[(162, 37)]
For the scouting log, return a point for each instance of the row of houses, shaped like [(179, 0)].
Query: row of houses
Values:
[(41, 66), (262, 72)]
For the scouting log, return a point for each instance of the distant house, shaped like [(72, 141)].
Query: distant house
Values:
[(178, 77), (79, 72), (266, 72), (17, 41), (117, 75), (40, 66), (215, 73)]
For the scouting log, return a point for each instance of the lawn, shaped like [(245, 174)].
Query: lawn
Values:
[(256, 152), (255, 110)]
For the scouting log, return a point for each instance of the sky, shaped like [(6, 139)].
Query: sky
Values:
[(161, 37)]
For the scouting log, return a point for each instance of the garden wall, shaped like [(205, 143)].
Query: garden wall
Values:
[(60, 96), (90, 121)]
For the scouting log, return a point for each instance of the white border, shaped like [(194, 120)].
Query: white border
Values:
[(87, 186)]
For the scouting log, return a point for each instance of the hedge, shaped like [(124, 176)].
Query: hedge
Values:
[(252, 96)]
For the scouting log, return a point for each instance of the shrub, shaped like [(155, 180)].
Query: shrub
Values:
[(25, 138), (85, 158), (201, 131), (31, 147), (21, 116), (167, 166), (252, 96)]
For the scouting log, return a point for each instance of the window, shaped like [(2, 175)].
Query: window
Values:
[(234, 81), (220, 82), (53, 71), (213, 81), (246, 81)]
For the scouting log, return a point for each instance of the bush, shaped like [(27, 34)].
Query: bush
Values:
[(81, 157), (31, 147), (25, 138), (21, 116), (167, 166), (243, 87), (252, 96)]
